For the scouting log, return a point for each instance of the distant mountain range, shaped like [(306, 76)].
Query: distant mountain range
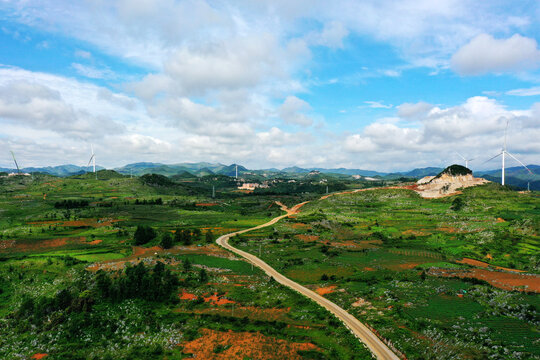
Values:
[(515, 176)]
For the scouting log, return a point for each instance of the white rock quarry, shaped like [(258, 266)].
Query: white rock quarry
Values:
[(445, 185)]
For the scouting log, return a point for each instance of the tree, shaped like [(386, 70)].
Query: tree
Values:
[(196, 234), (166, 241), (203, 276), (187, 265), (144, 234), (209, 236)]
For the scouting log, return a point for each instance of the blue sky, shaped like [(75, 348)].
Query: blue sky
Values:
[(380, 85)]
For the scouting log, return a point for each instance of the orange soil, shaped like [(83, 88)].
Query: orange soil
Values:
[(500, 220), (207, 204), (482, 264), (251, 312), (307, 237), (138, 250), (187, 296), (19, 245), (243, 345), (39, 356), (218, 300), (300, 226), (325, 290), (95, 242), (408, 265), (369, 269), (502, 280)]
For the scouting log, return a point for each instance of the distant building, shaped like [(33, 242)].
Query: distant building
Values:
[(252, 186), (20, 174)]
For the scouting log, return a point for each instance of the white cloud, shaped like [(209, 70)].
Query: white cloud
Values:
[(332, 35), (474, 128), (486, 54), (533, 91), (93, 72), (292, 111), (378, 105)]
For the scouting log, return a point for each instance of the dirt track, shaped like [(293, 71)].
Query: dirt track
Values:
[(377, 347)]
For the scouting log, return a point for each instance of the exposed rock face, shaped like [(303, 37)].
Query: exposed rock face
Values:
[(445, 184)]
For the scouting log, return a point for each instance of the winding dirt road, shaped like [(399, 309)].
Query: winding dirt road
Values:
[(377, 347)]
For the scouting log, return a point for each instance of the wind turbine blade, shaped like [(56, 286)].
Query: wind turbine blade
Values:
[(522, 164), (499, 154), (505, 131), (89, 161), (17, 165), (461, 156)]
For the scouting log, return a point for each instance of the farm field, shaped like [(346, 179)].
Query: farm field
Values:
[(75, 284), (437, 280)]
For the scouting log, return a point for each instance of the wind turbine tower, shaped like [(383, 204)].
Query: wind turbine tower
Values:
[(504, 152), (466, 160), (236, 176)]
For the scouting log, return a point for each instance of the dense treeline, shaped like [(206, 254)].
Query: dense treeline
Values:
[(144, 234), (138, 282), (157, 201), (70, 204), (134, 282)]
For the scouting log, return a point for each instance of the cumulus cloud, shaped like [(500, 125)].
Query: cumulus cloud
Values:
[(474, 128), (332, 35), (413, 111), (39, 106), (486, 54), (292, 111)]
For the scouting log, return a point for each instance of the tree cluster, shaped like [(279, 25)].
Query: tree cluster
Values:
[(144, 234), (157, 201), (70, 204), (138, 282)]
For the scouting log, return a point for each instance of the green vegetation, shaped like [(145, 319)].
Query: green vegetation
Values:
[(384, 251)]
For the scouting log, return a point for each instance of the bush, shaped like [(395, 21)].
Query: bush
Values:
[(144, 234)]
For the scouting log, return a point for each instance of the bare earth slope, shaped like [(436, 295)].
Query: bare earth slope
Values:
[(445, 185)]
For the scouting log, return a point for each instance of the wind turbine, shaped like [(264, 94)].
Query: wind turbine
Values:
[(466, 160), (504, 153), (236, 176), (92, 160), (17, 165)]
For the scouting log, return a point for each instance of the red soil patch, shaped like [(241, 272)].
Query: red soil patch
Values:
[(408, 266), (500, 220), (95, 242), (207, 204), (482, 264), (26, 245), (218, 300), (307, 237), (500, 279), (241, 345), (251, 312), (325, 290), (39, 356), (139, 251), (300, 226), (187, 296), (369, 269)]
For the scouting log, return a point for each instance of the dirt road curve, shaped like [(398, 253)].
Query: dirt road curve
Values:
[(377, 347)]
